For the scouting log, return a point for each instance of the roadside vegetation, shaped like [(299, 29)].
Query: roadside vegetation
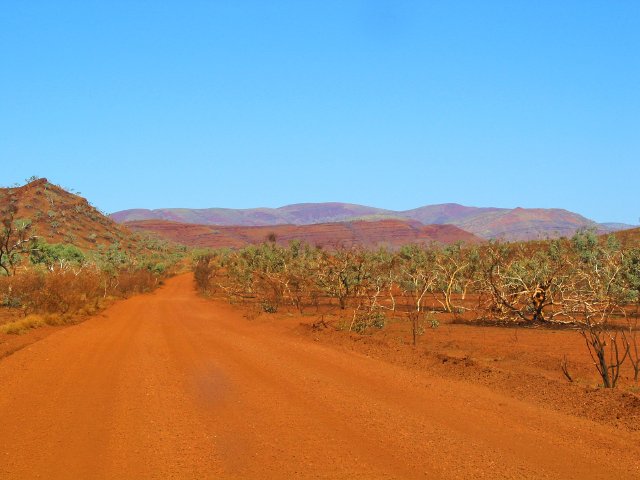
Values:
[(587, 283), (56, 283)]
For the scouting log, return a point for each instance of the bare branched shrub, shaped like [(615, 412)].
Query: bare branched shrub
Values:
[(631, 342), (564, 365), (607, 351)]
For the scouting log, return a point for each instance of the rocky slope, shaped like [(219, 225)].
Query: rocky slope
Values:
[(59, 216)]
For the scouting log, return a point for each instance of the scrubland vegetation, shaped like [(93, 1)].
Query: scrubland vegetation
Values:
[(55, 283), (587, 283), (60, 281)]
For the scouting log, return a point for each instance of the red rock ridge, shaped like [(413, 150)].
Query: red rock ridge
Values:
[(370, 234)]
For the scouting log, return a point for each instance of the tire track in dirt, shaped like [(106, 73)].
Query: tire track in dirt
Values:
[(170, 385)]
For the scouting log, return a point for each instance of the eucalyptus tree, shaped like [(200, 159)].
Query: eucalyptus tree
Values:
[(301, 269), (596, 297), (451, 261), (16, 238), (631, 336), (417, 276), (524, 281), (341, 274), (596, 289), (57, 256)]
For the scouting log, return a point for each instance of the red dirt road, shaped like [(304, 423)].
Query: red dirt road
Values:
[(170, 385)]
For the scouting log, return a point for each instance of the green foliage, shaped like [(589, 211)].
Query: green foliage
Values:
[(417, 273), (112, 258), (57, 254), (631, 273), (22, 224), (16, 239), (585, 244)]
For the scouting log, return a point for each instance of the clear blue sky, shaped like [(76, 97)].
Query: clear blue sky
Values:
[(393, 104)]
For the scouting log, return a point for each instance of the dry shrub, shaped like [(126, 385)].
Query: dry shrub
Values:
[(135, 281), (60, 292), (66, 292), (15, 291), (63, 295), (204, 270), (34, 321), (22, 325), (54, 319)]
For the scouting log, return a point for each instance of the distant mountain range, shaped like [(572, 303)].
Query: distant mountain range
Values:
[(57, 215), (487, 223)]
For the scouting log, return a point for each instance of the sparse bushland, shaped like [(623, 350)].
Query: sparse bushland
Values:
[(587, 283), (56, 283)]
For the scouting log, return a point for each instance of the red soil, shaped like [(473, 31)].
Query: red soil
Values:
[(390, 233), (170, 385)]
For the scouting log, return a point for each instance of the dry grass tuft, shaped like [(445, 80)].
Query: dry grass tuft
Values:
[(20, 326)]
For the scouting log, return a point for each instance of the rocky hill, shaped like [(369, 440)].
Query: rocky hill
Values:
[(59, 216)]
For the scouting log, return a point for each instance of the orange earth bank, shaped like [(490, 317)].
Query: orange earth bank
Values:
[(172, 385)]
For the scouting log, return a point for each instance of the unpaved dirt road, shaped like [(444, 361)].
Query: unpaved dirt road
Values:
[(169, 385)]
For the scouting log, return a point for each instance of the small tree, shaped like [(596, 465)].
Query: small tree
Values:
[(111, 260), (301, 269), (631, 276), (417, 276), (451, 262), (16, 238), (607, 352), (522, 282), (596, 294), (341, 274)]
